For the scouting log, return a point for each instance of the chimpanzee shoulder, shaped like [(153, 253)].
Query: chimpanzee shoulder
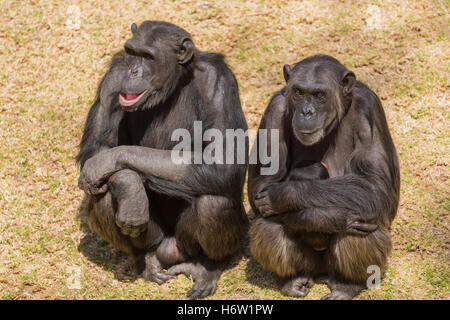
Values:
[(368, 107), (277, 104), (212, 66)]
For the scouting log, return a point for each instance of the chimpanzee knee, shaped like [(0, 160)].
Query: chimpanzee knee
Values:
[(128, 189), (132, 213), (121, 216), (101, 218), (277, 252), (216, 224), (223, 225), (350, 256)]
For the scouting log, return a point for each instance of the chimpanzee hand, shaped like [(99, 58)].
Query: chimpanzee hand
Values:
[(97, 170), (274, 199), (356, 225)]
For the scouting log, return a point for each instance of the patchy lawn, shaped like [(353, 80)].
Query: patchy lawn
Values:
[(48, 76)]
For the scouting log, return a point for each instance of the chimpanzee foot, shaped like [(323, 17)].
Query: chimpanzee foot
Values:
[(205, 276), (339, 289), (297, 286), (153, 271)]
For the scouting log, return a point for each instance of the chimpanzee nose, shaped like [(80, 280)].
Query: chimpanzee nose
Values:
[(307, 111), (133, 72)]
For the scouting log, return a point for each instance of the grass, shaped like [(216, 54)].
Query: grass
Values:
[(48, 77)]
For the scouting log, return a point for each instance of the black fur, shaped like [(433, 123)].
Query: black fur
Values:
[(318, 226), (201, 215)]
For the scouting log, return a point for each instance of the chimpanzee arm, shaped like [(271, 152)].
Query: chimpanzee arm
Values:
[(326, 220), (223, 112), (100, 131), (273, 118), (147, 161), (366, 189)]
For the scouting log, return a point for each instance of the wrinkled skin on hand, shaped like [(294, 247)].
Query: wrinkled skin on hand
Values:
[(97, 170), (267, 203), (356, 225), (270, 204)]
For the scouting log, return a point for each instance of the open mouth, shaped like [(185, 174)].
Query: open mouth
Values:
[(129, 99)]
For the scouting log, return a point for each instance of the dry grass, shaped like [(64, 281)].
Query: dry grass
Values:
[(48, 77)]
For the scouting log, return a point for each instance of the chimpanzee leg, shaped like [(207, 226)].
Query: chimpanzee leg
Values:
[(122, 217), (209, 233), (102, 220), (132, 214), (285, 255), (348, 260)]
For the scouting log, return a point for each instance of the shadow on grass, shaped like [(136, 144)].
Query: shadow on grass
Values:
[(98, 251), (259, 277)]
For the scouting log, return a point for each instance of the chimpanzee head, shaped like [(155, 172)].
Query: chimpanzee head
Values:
[(318, 92), (156, 57)]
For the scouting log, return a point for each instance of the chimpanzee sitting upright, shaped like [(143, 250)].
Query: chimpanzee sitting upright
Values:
[(188, 216), (311, 227)]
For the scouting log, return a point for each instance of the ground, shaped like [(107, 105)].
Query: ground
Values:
[(53, 55)]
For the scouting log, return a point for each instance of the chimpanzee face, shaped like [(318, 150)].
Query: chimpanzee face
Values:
[(154, 66), (311, 110), (314, 95)]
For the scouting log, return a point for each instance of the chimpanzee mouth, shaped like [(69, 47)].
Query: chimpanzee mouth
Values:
[(129, 99), (307, 132), (309, 137)]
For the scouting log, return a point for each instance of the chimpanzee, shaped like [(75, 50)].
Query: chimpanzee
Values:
[(316, 227), (187, 218)]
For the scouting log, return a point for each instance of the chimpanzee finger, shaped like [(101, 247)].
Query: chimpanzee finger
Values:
[(185, 268), (99, 190), (126, 230), (81, 183), (267, 211), (367, 227), (135, 232), (162, 277), (262, 194), (260, 202)]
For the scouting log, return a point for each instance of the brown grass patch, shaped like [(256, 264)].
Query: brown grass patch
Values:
[(48, 77)]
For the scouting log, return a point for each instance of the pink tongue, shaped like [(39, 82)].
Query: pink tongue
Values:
[(129, 96)]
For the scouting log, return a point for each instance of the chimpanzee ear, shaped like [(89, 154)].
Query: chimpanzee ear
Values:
[(134, 28), (287, 72), (185, 51), (348, 82)]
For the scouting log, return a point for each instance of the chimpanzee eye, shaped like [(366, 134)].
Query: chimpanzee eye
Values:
[(148, 56), (298, 92), (129, 51), (320, 95)]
